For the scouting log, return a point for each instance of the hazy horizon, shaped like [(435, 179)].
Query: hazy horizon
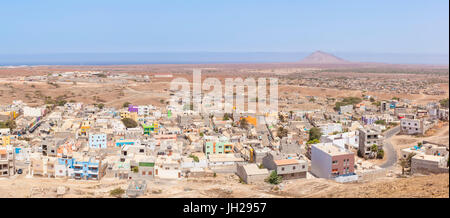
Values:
[(96, 58)]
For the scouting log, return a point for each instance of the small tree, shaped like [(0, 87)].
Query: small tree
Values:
[(282, 132), (281, 117), (380, 154), (409, 159), (243, 123), (403, 163), (274, 179), (314, 133), (374, 148), (226, 116), (126, 104)]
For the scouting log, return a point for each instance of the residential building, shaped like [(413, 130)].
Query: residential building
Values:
[(286, 166), (330, 161), (415, 126), (97, 140), (89, 168), (368, 137), (251, 173), (219, 147), (7, 162)]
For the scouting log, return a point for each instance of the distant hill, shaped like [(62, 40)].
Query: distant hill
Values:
[(320, 57)]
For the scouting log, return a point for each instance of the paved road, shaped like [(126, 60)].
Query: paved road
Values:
[(389, 149)]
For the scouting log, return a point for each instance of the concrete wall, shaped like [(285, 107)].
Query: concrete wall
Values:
[(425, 166), (372, 174)]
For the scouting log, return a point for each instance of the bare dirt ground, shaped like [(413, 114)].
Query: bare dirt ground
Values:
[(438, 134), (153, 92), (228, 186)]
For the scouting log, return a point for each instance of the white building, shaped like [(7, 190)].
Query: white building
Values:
[(33, 112), (414, 126), (344, 140), (168, 167), (330, 128)]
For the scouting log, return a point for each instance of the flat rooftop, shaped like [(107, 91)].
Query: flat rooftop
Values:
[(332, 149)]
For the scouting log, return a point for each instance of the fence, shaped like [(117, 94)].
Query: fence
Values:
[(372, 174)]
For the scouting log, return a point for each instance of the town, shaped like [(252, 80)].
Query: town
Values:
[(131, 148)]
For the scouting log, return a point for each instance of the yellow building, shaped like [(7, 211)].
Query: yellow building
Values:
[(5, 140), (124, 114), (251, 120), (10, 114), (85, 126)]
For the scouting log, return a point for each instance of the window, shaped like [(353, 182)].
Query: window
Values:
[(303, 166), (335, 162), (293, 167), (282, 168)]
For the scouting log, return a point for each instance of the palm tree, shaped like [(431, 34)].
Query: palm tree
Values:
[(403, 163)]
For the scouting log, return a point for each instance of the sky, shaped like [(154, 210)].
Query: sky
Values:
[(109, 26)]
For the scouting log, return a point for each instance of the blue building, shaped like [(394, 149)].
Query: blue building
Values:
[(97, 140), (87, 168), (122, 142)]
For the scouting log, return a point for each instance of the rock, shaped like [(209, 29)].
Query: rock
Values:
[(61, 190)]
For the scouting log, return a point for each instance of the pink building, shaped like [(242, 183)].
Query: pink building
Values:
[(331, 161)]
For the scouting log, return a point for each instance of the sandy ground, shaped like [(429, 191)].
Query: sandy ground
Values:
[(34, 93), (228, 186)]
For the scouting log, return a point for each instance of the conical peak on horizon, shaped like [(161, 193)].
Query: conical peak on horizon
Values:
[(320, 57)]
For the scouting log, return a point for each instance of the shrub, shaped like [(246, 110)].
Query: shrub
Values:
[(243, 123), (129, 123), (126, 104), (274, 179), (314, 141), (444, 103), (347, 101), (100, 106), (194, 157), (117, 192), (282, 132), (380, 154), (381, 122)]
